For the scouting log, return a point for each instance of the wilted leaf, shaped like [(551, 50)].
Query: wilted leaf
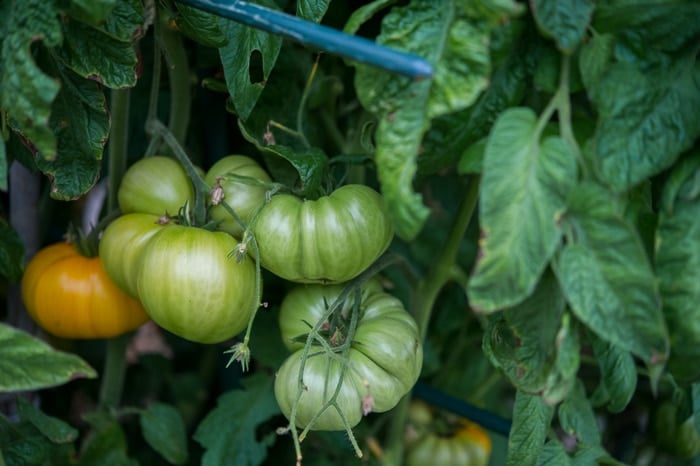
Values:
[(29, 364), (523, 192), (228, 431)]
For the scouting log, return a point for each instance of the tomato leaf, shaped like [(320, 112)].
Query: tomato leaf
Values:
[(595, 57), (363, 14), (618, 375), (26, 92), (312, 10), (4, 165), (564, 21), (695, 401), (244, 42), (228, 431), (566, 362), (200, 26), (80, 121), (678, 265), (606, 277), (107, 445), (531, 420), (29, 364), (91, 11), (521, 342), (554, 454), (646, 119), (452, 36), (450, 135), (126, 22), (164, 430), (53, 428), (577, 418), (523, 193)]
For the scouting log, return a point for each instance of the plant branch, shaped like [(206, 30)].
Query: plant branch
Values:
[(179, 78)]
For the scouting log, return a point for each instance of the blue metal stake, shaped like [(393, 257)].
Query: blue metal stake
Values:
[(322, 37)]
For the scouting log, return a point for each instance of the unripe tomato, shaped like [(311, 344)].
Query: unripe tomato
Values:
[(244, 199), (681, 439), (190, 284), (329, 240), (71, 296), (121, 248), (467, 444), (155, 185), (383, 362)]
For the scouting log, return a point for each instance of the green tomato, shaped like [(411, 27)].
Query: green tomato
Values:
[(383, 362), (122, 245), (329, 240), (155, 185), (681, 439), (244, 199), (191, 285)]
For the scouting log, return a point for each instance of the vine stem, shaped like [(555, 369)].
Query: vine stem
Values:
[(179, 79), (427, 291), (115, 361)]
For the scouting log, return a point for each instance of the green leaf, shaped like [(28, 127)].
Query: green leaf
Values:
[(472, 160), (565, 21), (554, 454), (695, 401), (246, 85), (91, 11), (658, 24), (577, 418), (595, 57), (92, 54), (107, 445), (450, 135), (523, 191), (677, 261), (164, 430), (26, 92), (126, 22), (618, 374), (11, 252), (52, 428), (364, 14), (29, 364), (454, 37), (200, 26), (566, 363), (645, 120), (4, 165), (522, 343), (312, 10), (531, 419), (80, 121), (607, 279), (21, 443), (228, 431)]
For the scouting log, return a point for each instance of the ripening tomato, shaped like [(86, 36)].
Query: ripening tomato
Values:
[(155, 185), (329, 240), (71, 296), (383, 362), (244, 199), (122, 244), (190, 284)]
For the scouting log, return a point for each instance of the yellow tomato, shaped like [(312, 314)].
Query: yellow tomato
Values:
[(70, 296)]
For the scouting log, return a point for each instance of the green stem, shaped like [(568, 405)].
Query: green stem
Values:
[(427, 292), (564, 111), (115, 362), (179, 78)]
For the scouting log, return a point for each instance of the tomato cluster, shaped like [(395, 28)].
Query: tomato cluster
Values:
[(197, 281)]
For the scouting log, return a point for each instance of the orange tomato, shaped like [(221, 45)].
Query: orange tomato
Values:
[(70, 296)]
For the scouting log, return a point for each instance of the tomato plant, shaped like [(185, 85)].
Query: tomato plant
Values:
[(244, 199), (521, 177), (70, 296), (382, 362), (328, 240), (190, 285)]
